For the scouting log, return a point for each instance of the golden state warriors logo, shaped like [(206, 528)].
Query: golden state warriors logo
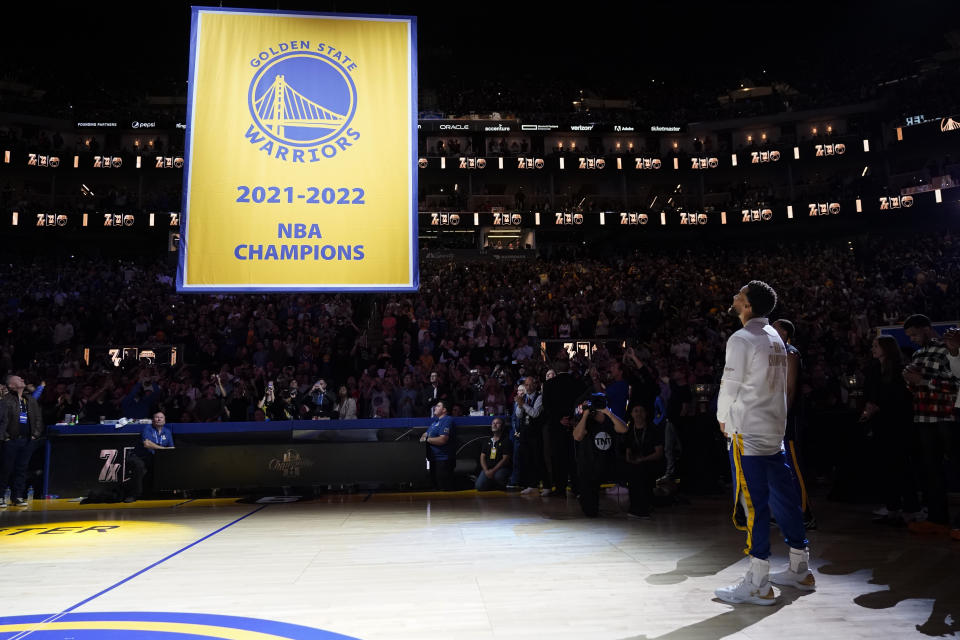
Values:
[(302, 99)]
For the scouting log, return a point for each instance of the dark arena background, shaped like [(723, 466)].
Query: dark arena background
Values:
[(594, 185)]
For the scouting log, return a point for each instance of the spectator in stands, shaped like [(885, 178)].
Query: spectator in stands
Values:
[(142, 398), (493, 397), (239, 404), (209, 408), (524, 351), (324, 403), (405, 398), (273, 407), (346, 405), (433, 392), (63, 332)]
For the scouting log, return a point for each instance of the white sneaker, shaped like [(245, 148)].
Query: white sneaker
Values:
[(528, 491), (754, 588), (797, 574)]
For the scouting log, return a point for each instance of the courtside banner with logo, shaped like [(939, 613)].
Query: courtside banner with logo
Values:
[(300, 165)]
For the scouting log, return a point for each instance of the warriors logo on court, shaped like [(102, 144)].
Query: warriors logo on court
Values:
[(302, 99), (156, 625)]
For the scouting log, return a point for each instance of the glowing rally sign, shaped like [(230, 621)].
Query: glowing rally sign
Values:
[(301, 153)]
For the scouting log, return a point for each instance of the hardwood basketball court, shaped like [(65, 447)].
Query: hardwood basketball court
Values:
[(458, 566)]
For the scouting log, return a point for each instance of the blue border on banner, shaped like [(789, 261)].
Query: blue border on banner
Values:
[(188, 152), (413, 222), (414, 160)]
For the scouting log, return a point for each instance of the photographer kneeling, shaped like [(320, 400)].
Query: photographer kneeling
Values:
[(596, 455), (495, 459)]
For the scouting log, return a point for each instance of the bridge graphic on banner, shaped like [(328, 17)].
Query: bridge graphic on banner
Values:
[(282, 106)]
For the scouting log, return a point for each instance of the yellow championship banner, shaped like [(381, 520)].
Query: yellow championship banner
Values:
[(300, 153)]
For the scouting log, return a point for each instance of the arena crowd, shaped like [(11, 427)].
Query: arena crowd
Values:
[(478, 326)]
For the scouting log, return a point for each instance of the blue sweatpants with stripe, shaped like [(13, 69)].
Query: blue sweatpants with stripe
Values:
[(764, 484)]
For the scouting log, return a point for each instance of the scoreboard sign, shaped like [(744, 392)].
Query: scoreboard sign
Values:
[(300, 167)]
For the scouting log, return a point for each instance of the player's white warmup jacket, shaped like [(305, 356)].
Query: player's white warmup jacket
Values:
[(753, 391)]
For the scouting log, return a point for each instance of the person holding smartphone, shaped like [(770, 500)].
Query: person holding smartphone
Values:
[(273, 409)]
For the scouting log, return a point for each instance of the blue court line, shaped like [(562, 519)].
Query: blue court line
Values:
[(53, 618), (369, 495), (183, 503)]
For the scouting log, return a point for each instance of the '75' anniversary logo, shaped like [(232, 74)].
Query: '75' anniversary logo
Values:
[(302, 99)]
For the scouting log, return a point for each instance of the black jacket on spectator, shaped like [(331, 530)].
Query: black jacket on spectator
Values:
[(643, 388), (428, 398), (891, 394), (10, 416), (560, 397)]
